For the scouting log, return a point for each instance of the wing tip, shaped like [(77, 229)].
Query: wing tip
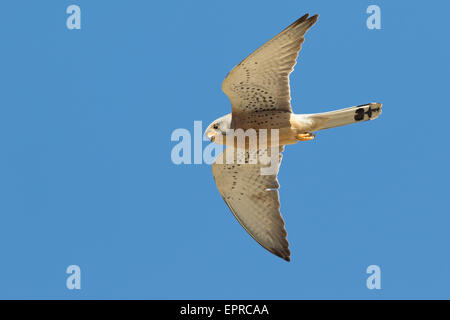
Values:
[(304, 22), (303, 17), (306, 17), (284, 252), (313, 19), (286, 256)]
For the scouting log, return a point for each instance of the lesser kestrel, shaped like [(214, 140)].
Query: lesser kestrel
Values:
[(258, 89)]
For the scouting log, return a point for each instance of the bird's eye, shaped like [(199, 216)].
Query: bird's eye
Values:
[(215, 126)]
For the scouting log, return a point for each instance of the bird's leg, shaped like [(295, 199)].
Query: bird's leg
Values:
[(306, 136)]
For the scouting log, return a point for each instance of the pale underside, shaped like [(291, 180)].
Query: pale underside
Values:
[(257, 86), (253, 198)]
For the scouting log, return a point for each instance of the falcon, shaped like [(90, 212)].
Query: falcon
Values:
[(258, 89)]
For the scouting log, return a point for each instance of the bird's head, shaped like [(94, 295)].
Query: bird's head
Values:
[(217, 130)]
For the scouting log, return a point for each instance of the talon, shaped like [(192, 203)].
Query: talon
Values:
[(305, 136)]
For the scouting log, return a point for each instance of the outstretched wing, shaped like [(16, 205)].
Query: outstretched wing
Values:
[(261, 81), (253, 198)]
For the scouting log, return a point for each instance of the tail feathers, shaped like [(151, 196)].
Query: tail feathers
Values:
[(346, 116)]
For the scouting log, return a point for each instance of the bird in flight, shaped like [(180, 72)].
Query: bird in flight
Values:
[(258, 89)]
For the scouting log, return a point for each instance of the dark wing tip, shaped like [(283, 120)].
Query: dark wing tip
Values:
[(285, 257), (303, 18), (284, 254), (305, 22), (298, 21), (306, 17), (312, 20)]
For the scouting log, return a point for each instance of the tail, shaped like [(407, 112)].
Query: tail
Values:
[(345, 116)]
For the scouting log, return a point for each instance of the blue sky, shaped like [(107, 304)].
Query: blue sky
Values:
[(86, 176)]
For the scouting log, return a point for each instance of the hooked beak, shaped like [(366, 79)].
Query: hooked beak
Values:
[(211, 135)]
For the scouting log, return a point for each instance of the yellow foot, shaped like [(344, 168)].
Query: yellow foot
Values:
[(305, 136)]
